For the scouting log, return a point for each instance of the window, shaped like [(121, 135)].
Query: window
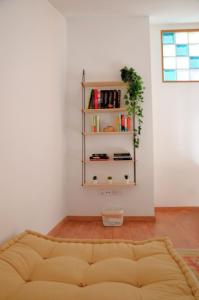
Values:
[(180, 55)]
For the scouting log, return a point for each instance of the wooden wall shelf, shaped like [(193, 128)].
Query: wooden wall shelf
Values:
[(86, 132), (107, 161), (103, 84), (107, 133), (104, 110), (108, 185)]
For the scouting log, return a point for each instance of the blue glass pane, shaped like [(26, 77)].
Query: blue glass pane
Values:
[(170, 75), (181, 50), (168, 38), (194, 62)]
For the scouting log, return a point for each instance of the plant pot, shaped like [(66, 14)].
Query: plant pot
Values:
[(110, 181), (95, 181), (127, 181)]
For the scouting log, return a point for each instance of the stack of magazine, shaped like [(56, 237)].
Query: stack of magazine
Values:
[(122, 156), (99, 156)]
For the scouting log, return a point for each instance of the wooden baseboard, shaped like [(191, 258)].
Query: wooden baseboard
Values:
[(55, 231), (99, 218), (176, 208)]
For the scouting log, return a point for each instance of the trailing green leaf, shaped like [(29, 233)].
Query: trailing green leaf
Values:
[(134, 99)]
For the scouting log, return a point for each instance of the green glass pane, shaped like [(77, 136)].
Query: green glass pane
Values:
[(182, 50), (168, 38), (170, 75), (194, 62)]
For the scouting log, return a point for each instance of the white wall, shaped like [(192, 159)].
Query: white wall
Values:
[(103, 45), (32, 38), (176, 127)]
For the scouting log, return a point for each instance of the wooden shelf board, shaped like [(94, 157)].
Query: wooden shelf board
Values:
[(107, 133), (107, 161), (108, 185), (104, 110), (104, 84)]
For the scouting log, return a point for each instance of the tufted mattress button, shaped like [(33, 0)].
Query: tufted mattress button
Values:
[(81, 284)]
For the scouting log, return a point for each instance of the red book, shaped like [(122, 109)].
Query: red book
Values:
[(129, 123), (96, 99), (123, 122)]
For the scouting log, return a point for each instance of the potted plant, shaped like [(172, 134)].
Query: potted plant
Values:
[(95, 180), (110, 179), (126, 178), (134, 99)]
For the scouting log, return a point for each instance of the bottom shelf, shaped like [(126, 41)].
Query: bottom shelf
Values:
[(109, 185)]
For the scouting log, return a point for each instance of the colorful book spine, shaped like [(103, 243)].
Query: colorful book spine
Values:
[(95, 123), (99, 99), (118, 98), (93, 126), (129, 123), (95, 99), (122, 122), (90, 105), (98, 123), (125, 124), (102, 99), (117, 123)]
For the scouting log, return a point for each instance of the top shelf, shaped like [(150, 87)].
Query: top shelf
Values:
[(104, 84), (104, 110)]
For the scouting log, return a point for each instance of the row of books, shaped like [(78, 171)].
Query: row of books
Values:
[(104, 99), (116, 156), (123, 123)]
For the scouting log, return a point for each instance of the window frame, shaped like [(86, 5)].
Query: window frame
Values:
[(162, 57)]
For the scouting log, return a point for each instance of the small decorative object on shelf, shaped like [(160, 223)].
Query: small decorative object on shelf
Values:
[(95, 181), (126, 178), (110, 179), (109, 129)]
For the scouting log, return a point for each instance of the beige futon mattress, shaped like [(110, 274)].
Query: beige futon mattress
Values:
[(37, 267)]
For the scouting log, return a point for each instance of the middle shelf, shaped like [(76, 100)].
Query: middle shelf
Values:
[(107, 133), (104, 110)]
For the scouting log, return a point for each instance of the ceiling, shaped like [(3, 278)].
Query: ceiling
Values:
[(158, 10)]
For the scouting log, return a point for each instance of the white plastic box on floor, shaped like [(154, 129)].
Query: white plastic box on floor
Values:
[(112, 217)]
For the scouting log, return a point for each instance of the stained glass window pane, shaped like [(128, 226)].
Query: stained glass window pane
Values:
[(169, 50), (194, 50), (168, 38), (182, 62), (169, 63), (181, 50), (194, 74), (183, 75), (169, 75), (194, 62), (193, 37), (181, 37)]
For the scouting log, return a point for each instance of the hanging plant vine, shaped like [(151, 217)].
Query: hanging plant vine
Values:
[(134, 99)]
